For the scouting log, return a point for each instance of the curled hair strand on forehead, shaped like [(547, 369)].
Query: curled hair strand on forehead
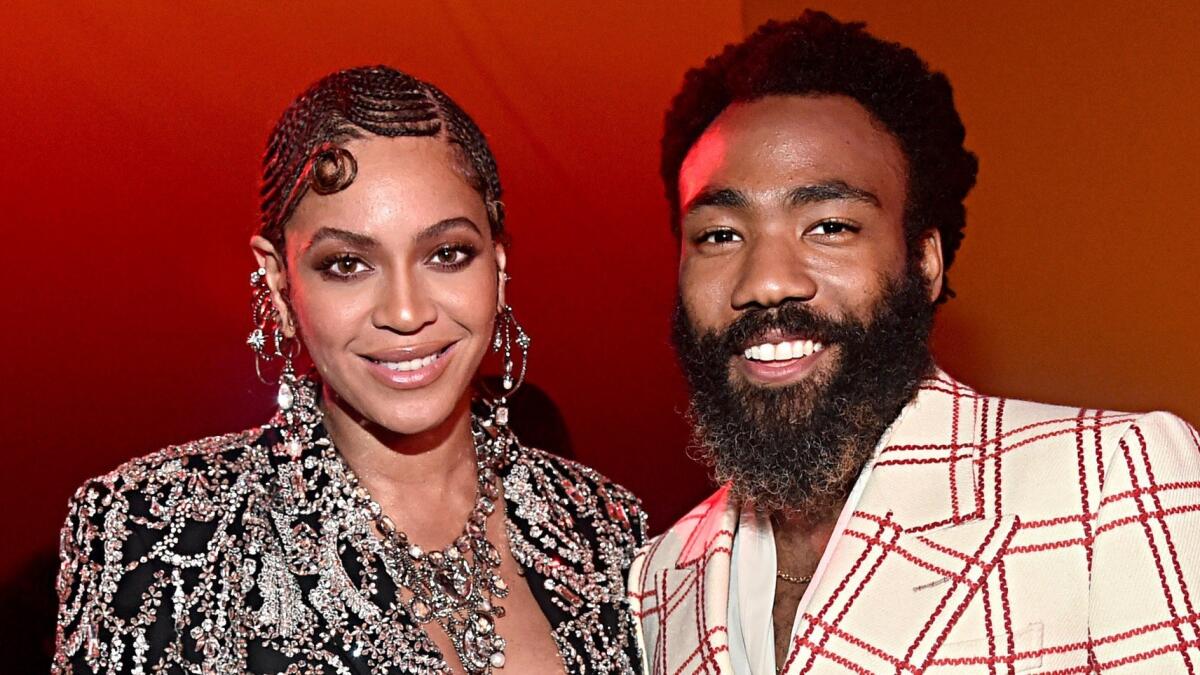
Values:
[(304, 151)]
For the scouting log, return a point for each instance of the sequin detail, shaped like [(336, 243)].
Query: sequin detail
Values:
[(226, 555)]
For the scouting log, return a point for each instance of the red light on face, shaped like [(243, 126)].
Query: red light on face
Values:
[(702, 161)]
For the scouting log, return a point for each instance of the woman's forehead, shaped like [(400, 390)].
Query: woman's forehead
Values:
[(403, 184)]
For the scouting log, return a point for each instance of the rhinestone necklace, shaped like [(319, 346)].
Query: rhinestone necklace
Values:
[(457, 586)]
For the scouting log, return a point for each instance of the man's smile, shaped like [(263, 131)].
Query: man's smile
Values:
[(779, 363), (782, 350)]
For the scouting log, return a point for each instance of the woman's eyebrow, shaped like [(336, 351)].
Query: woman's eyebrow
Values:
[(354, 238), (448, 224)]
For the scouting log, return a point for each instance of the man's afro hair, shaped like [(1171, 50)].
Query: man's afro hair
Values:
[(815, 55)]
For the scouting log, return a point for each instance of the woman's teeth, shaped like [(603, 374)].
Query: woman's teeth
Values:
[(410, 365), (783, 351)]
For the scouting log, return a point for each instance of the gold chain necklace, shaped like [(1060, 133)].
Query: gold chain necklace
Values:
[(793, 579)]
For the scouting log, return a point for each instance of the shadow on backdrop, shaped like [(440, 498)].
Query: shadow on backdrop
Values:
[(28, 605)]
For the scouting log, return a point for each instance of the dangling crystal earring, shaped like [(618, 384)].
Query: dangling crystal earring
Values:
[(508, 332), (266, 320), (295, 408)]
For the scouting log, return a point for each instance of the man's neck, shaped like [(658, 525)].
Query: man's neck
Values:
[(800, 541)]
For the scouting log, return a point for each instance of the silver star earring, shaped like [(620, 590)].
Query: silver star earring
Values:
[(269, 343)]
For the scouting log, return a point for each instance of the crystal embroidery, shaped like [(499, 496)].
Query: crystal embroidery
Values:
[(227, 555)]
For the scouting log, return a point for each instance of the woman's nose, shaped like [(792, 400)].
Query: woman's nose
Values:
[(404, 305)]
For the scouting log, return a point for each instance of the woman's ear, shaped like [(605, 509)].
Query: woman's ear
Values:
[(502, 281), (271, 260)]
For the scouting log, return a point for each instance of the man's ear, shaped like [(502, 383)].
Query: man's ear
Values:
[(501, 263), (272, 261), (931, 262)]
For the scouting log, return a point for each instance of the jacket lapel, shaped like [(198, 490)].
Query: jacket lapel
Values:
[(909, 561), (910, 558), (924, 471), (694, 595)]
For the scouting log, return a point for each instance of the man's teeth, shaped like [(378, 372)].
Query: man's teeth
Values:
[(783, 351), (410, 365)]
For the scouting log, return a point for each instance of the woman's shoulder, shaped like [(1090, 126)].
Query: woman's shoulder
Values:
[(141, 533), (152, 487), (586, 492)]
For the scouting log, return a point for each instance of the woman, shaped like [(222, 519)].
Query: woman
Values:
[(382, 522)]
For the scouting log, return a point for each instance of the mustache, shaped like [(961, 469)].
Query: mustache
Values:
[(792, 318)]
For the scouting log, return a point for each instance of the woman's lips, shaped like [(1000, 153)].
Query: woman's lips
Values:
[(410, 368), (778, 373)]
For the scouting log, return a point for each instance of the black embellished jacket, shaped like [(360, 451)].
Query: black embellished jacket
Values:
[(226, 556)]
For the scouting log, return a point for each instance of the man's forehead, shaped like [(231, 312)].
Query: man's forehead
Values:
[(790, 139)]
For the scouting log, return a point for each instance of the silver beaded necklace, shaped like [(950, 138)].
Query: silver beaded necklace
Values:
[(457, 586)]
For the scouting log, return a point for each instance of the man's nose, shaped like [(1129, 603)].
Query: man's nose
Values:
[(773, 272), (403, 305)]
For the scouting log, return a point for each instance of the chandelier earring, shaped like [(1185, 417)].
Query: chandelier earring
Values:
[(509, 337), (297, 404)]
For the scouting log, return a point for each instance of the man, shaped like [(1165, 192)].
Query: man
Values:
[(876, 515)]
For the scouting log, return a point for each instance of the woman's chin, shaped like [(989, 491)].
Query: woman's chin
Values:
[(412, 415), (411, 425)]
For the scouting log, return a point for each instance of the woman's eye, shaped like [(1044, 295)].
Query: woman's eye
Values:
[(828, 227), (452, 256), (722, 236), (344, 266)]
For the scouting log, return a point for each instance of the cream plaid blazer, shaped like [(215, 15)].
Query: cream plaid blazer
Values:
[(993, 536)]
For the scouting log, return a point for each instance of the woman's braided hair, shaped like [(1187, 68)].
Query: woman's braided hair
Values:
[(303, 151)]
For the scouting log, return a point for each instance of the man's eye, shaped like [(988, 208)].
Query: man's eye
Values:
[(721, 236), (829, 227)]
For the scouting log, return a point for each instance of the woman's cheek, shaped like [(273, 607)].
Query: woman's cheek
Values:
[(327, 317), (469, 296)]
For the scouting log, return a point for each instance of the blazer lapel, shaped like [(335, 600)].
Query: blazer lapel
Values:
[(918, 543), (694, 596), (924, 472)]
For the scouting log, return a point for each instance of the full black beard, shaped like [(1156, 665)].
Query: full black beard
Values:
[(796, 450)]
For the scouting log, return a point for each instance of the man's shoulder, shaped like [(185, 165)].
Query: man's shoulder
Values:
[(1043, 445), (1029, 430), (1015, 430), (708, 527), (1017, 411)]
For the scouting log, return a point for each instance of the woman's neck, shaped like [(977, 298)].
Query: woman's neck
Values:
[(423, 471)]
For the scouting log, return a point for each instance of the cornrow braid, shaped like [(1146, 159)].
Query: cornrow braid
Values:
[(304, 149)]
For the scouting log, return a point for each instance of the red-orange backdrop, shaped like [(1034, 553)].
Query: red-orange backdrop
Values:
[(132, 133)]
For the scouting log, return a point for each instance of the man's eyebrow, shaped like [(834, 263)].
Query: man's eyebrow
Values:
[(830, 191), (352, 238), (726, 197), (442, 226)]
